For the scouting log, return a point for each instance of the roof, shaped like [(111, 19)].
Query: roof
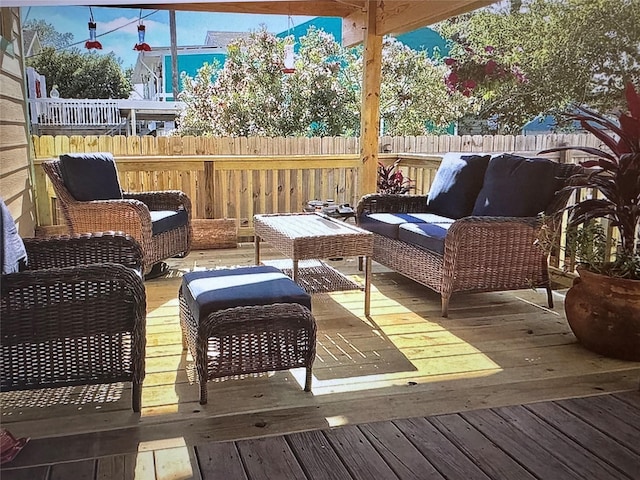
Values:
[(31, 43), (222, 39)]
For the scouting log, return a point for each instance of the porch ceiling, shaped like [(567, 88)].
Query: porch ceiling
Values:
[(392, 16)]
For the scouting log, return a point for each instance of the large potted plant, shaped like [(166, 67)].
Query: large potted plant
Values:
[(603, 305)]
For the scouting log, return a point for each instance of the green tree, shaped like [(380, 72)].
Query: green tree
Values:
[(48, 35), (251, 96), (82, 75), (413, 97), (553, 53)]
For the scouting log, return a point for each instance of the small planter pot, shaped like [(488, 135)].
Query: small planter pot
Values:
[(604, 314)]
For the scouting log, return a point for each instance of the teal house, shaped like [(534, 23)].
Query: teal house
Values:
[(421, 39)]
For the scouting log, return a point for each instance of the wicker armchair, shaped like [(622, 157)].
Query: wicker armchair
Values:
[(131, 215), (75, 316), (481, 253)]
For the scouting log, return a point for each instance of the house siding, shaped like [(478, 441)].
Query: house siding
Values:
[(15, 165)]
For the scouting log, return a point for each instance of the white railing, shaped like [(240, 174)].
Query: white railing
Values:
[(73, 112)]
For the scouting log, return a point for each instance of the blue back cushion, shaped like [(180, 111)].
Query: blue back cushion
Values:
[(456, 184), (516, 186), (90, 176), (212, 290)]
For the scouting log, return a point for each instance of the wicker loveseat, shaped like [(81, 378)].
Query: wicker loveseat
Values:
[(74, 313), (91, 200), (476, 230)]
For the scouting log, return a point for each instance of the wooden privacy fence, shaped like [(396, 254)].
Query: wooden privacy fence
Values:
[(239, 177)]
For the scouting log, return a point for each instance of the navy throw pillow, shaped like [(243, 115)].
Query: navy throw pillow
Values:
[(516, 186), (90, 176), (456, 184)]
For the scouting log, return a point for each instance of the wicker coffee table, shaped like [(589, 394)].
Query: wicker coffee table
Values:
[(307, 236)]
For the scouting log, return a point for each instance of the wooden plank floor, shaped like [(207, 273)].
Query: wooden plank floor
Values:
[(403, 361), (593, 438)]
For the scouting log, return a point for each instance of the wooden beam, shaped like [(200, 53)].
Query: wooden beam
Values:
[(353, 28), (396, 17), (370, 112)]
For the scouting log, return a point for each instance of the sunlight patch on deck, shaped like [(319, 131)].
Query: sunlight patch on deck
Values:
[(393, 347)]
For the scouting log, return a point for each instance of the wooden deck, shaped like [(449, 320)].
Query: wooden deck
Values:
[(594, 438), (404, 361)]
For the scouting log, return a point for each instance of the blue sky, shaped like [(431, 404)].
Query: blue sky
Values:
[(191, 27)]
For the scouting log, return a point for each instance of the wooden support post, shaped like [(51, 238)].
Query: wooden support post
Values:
[(370, 112)]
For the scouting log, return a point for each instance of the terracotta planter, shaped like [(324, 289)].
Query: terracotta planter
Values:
[(604, 314)]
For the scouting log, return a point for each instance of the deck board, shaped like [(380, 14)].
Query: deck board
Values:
[(441, 452), (597, 442), (519, 445), (597, 416), (318, 459), (269, 458), (401, 455), (542, 440), (404, 361), (494, 461), (582, 462), (220, 461)]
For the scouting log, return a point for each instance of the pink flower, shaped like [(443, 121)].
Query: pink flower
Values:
[(490, 67), (449, 61), (489, 49)]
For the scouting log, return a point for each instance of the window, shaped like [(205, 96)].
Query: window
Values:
[(6, 31)]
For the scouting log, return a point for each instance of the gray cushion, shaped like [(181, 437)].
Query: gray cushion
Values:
[(426, 235), (516, 186), (456, 184), (212, 290), (166, 220), (90, 176)]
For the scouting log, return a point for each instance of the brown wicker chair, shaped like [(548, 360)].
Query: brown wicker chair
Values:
[(130, 215), (481, 253), (75, 316)]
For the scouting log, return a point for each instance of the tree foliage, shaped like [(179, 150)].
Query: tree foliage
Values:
[(568, 51), (250, 95), (47, 34), (413, 98), (82, 75)]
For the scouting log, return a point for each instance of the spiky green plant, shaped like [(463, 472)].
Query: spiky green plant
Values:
[(616, 175)]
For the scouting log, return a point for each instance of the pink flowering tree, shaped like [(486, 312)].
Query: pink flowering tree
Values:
[(482, 70)]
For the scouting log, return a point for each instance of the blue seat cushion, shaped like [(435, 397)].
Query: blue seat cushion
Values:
[(516, 186), (426, 235), (212, 290), (166, 220), (386, 224), (90, 176), (456, 184)]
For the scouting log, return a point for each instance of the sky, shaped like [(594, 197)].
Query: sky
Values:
[(191, 27)]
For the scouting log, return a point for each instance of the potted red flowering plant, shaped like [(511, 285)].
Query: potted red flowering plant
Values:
[(391, 179), (603, 305)]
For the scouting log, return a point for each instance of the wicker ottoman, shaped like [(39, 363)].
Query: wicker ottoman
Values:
[(246, 320)]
